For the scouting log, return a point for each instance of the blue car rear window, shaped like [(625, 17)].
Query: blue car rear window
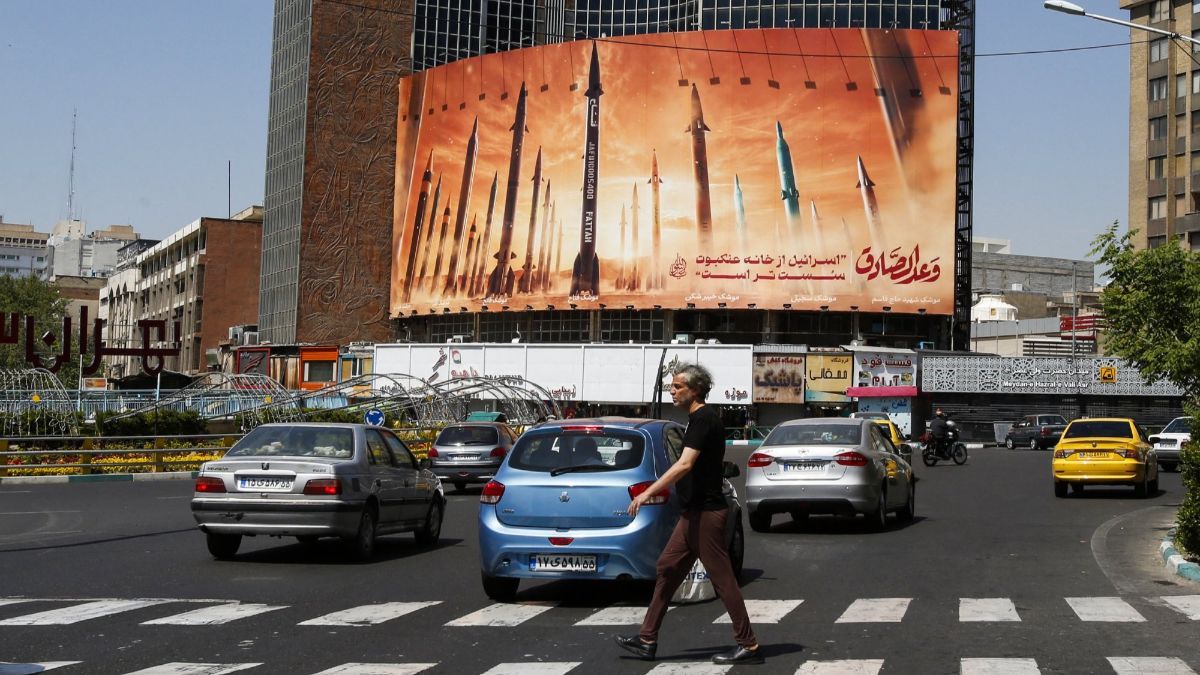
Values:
[(607, 450)]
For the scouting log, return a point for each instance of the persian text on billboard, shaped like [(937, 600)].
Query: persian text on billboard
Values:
[(764, 168), (778, 378)]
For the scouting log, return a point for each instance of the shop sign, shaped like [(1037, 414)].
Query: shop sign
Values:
[(779, 378), (829, 373), (881, 369), (1037, 375)]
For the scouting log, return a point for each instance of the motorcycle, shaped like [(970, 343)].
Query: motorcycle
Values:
[(950, 449)]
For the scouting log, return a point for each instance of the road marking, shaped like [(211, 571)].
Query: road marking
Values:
[(77, 613), (195, 668), (369, 615), (1188, 604), (550, 668), (841, 667), (999, 667), (502, 615), (378, 669), (29, 668), (209, 616), (875, 610), (1149, 665), (13, 601), (987, 609), (32, 513), (616, 616), (1104, 609), (764, 611), (694, 668)]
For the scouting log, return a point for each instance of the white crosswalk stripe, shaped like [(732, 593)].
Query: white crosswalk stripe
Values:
[(534, 668), (378, 669), (841, 667), (1104, 609), (616, 616), (211, 616), (13, 601), (31, 668), (502, 615), (77, 613), (987, 609), (765, 611), (180, 668), (875, 610), (999, 667), (1188, 604), (693, 668), (369, 615), (1142, 665)]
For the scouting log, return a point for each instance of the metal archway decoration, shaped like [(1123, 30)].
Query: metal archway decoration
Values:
[(258, 399), (34, 403)]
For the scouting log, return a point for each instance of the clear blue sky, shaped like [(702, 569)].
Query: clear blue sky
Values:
[(169, 91)]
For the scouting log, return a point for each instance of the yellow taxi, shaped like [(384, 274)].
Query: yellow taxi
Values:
[(1105, 451), (891, 431)]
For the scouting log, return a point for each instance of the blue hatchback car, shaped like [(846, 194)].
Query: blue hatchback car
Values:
[(557, 506)]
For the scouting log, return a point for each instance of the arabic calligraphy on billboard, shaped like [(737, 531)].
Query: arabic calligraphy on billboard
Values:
[(801, 168)]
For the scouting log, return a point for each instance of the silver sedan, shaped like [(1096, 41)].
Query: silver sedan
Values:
[(308, 481), (828, 465)]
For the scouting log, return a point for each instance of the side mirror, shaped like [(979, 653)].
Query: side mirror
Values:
[(730, 470), (423, 463)]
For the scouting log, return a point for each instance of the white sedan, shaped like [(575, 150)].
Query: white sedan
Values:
[(824, 465)]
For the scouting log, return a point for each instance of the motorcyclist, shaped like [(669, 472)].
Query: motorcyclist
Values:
[(939, 431)]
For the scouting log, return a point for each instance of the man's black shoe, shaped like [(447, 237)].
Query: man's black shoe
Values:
[(740, 655), (636, 646)]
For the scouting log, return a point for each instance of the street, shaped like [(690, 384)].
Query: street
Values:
[(113, 577)]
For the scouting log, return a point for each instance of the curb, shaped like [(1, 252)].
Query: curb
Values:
[(1172, 559), (99, 478)]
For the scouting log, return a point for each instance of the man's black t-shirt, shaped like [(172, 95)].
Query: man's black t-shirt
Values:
[(701, 488)]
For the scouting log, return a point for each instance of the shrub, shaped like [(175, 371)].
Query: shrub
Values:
[(1187, 532), (161, 423)]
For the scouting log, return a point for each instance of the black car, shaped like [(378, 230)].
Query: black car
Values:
[(1036, 432)]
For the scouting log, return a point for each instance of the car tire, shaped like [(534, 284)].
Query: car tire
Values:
[(1153, 487), (362, 544), (223, 546), (1169, 467), (1077, 488), (429, 532), (877, 519), (909, 511), (500, 589), (1008, 443), (1033, 444), (737, 549), (1141, 489), (1060, 489), (759, 522)]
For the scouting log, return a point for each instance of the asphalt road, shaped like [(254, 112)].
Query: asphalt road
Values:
[(1071, 584)]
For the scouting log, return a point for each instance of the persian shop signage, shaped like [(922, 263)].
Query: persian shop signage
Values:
[(779, 378), (884, 369), (828, 377), (682, 196), (152, 332), (1036, 375)]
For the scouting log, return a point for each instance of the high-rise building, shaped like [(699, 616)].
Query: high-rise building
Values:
[(1164, 129)]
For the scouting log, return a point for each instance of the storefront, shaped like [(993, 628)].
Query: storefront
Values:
[(827, 377), (885, 380)]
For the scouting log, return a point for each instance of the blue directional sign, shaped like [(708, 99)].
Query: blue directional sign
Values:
[(374, 417)]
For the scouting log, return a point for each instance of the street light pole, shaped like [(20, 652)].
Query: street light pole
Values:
[(1075, 10)]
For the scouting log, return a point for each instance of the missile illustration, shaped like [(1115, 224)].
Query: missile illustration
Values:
[(634, 281), (539, 277), (697, 128), (526, 284), (656, 279), (461, 281), (585, 273), (866, 187), (558, 239), (464, 202), (441, 248), (437, 195), (819, 237), (500, 281), (621, 252), (417, 229), (478, 278), (787, 183), (739, 209)]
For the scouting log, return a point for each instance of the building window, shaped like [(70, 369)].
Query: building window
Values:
[(1158, 208), (1158, 89), (1195, 36), (1158, 50), (1181, 85), (1195, 6), (1161, 11), (1158, 128)]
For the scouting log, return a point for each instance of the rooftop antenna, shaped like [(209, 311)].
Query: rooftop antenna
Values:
[(71, 174)]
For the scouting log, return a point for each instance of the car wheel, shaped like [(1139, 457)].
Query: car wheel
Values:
[(1033, 444), (737, 549), (909, 511), (223, 546), (362, 545), (1142, 488), (1008, 443), (1060, 489), (1169, 467), (1154, 486), (429, 533), (877, 519), (500, 589), (759, 522), (1076, 488), (460, 486)]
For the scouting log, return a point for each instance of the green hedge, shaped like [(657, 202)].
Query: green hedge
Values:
[(1187, 533), (161, 423)]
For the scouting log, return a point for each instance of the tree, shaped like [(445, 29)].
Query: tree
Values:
[(39, 299), (1152, 315)]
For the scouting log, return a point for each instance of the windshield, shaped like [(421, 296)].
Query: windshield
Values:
[(1102, 429), (607, 450), (815, 434), (335, 442), (1053, 419), (471, 435), (1179, 425)]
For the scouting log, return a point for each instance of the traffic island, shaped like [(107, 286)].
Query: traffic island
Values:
[(1174, 560)]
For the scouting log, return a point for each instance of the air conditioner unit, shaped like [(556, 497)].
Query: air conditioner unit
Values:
[(925, 345), (457, 339), (250, 338), (235, 334)]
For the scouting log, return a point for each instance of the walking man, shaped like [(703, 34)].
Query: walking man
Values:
[(700, 531)]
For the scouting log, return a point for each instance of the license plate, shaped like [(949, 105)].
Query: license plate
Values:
[(265, 484), (1093, 454), (551, 562), (804, 466), (466, 457)]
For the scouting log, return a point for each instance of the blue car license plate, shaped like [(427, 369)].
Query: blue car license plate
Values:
[(554, 562)]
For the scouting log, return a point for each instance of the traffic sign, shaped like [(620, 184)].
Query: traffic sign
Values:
[(1108, 374), (374, 417)]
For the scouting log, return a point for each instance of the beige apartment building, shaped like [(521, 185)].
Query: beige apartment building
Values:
[(1164, 123)]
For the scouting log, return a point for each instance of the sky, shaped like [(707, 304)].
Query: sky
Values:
[(168, 93)]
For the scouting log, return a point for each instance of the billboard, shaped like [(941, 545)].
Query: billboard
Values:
[(776, 168), (779, 378)]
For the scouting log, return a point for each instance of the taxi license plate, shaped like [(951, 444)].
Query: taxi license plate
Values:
[(804, 466), (265, 484), (1093, 455), (549, 562)]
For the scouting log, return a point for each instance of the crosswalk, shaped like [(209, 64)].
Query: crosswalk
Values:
[(17, 611), (1120, 665)]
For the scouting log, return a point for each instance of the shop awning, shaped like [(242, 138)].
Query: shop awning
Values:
[(882, 392)]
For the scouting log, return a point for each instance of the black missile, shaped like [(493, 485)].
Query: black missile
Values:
[(500, 282), (585, 274)]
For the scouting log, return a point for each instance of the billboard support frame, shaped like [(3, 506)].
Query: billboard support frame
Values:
[(962, 19)]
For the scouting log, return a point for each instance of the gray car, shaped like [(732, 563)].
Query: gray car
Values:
[(309, 481), (828, 466), (470, 452)]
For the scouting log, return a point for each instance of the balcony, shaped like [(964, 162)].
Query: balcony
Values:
[(1181, 145), (1180, 185), (1156, 108), (1187, 223), (1156, 147), (1156, 187), (1156, 227)]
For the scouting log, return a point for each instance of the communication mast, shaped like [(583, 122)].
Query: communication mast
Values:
[(71, 175)]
